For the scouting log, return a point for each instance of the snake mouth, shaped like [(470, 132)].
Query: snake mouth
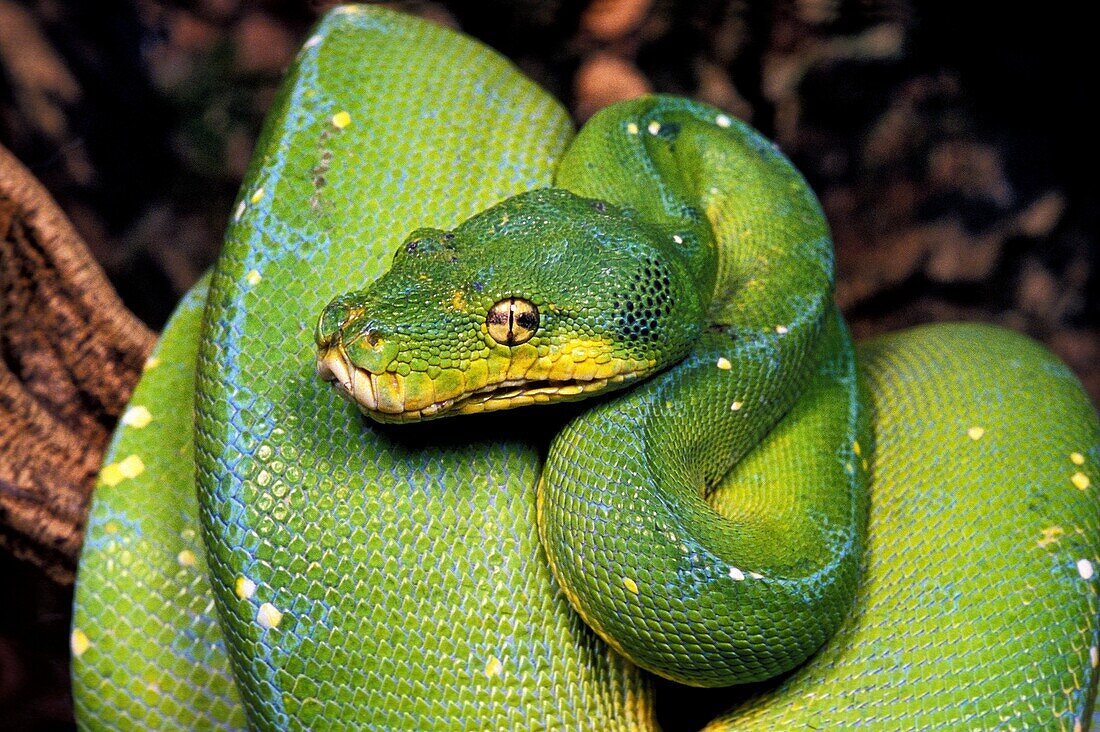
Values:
[(383, 397)]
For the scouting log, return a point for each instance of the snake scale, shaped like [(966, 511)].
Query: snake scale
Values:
[(260, 554)]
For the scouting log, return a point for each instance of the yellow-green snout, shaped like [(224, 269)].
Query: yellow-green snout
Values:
[(506, 378)]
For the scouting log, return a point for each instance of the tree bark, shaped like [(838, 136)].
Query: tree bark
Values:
[(70, 354)]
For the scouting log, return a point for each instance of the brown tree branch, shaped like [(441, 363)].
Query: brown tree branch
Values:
[(70, 354)]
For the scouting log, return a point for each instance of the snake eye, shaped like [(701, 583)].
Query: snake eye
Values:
[(512, 321)]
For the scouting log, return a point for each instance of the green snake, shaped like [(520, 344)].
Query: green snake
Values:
[(741, 489)]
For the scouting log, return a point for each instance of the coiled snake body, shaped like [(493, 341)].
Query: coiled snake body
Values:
[(712, 523)]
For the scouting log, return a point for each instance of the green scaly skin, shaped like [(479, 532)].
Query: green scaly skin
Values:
[(392, 577)]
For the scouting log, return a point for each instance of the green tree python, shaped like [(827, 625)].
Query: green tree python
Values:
[(900, 535)]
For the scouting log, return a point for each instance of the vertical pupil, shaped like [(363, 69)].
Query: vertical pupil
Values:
[(511, 320)]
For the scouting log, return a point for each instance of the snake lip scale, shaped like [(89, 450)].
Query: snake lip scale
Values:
[(362, 388)]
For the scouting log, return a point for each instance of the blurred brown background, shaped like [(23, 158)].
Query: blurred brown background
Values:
[(951, 144)]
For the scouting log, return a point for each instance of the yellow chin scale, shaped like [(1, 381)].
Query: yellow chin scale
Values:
[(506, 378)]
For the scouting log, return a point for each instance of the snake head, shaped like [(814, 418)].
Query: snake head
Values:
[(545, 297)]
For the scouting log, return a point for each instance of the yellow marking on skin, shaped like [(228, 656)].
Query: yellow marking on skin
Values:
[(476, 375), (253, 277), (586, 370), (632, 128), (496, 369), (1050, 536), (110, 527), (1077, 458), (524, 358), (152, 362), (630, 585), (244, 587), (458, 301), (493, 667), (605, 369), (131, 467), (1085, 569), (736, 406), (111, 475), (654, 127), (864, 463), (975, 432), (186, 558), (137, 417), (340, 120), (390, 391), (562, 370), (856, 448), (724, 364), (419, 391), (723, 121), (257, 196), (269, 616), (1080, 480), (450, 383), (78, 642)]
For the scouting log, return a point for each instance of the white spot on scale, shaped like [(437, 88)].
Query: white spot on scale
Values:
[(244, 587), (654, 127), (493, 667), (137, 417), (1085, 569), (239, 212), (1094, 656), (186, 558), (78, 642), (723, 121), (781, 329), (677, 238), (736, 574), (313, 41), (269, 616), (736, 407)]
